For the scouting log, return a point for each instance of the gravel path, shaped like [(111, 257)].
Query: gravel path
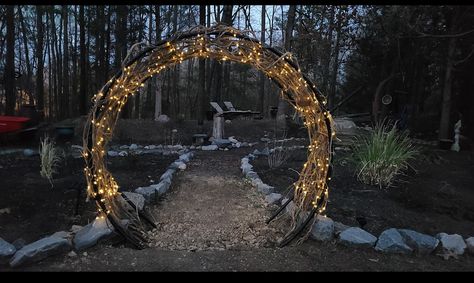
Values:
[(211, 207)]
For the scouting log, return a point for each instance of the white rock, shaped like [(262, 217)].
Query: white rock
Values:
[(182, 166), (123, 153), (133, 146), (7, 250), (147, 192), (75, 228), (470, 245), (163, 118), (452, 243), (264, 188), (322, 229), (356, 237), (273, 198), (137, 199), (39, 250), (92, 233), (233, 140), (390, 241), (209, 147), (112, 153), (421, 243)]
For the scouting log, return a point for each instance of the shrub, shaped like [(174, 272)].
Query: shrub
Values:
[(383, 154), (50, 157)]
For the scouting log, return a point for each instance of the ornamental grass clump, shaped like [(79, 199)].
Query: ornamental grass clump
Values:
[(382, 155), (50, 158)]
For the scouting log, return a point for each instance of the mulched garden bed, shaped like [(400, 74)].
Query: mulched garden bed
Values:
[(31, 208), (439, 197)]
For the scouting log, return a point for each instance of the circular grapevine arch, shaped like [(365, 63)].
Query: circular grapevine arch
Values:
[(222, 43)]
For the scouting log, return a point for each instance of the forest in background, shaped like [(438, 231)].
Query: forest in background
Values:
[(57, 57)]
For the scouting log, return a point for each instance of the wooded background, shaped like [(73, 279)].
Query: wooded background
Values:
[(57, 57)]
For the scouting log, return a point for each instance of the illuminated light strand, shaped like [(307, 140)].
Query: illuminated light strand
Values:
[(311, 186)]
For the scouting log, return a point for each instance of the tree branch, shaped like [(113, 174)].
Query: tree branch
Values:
[(465, 58), (426, 35)]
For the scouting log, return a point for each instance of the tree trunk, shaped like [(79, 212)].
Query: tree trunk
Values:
[(158, 93), (447, 92), (29, 72), (82, 63), (202, 73), (121, 47), (335, 66), (261, 95), (65, 79), (282, 104), (10, 92), (39, 58)]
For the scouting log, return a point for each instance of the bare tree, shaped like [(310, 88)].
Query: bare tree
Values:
[(9, 76), (39, 58), (202, 73)]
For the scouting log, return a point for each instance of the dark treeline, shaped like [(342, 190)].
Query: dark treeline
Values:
[(57, 57)]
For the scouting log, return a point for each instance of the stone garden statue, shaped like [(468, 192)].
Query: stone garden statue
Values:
[(457, 131)]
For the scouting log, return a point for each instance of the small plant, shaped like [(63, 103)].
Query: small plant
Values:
[(50, 158), (382, 155)]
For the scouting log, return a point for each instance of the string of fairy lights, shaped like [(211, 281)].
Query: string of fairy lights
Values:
[(226, 44)]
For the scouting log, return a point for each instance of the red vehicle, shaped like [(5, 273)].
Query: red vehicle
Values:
[(11, 124)]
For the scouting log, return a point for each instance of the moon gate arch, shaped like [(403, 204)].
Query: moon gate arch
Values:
[(222, 43)]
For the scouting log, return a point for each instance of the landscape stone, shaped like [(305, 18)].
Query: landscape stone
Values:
[(323, 229), (176, 164), (7, 250), (421, 243), (222, 143), (339, 227), (453, 243), (162, 187), (163, 118), (168, 174), (147, 192), (252, 175), (209, 147), (273, 198), (390, 241), (19, 243), (112, 153), (133, 146), (39, 250), (137, 199), (470, 245), (233, 140), (92, 233), (264, 188), (356, 237)]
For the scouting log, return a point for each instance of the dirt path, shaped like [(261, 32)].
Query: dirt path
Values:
[(211, 207)]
